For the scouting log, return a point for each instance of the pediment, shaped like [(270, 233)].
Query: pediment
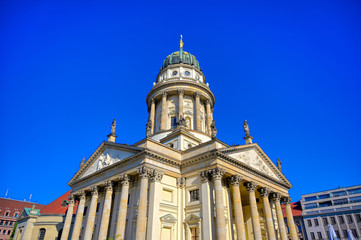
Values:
[(169, 218), (192, 219), (254, 159), (106, 155)]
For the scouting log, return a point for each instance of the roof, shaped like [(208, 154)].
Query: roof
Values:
[(16, 205), (181, 57), (55, 206), (296, 209)]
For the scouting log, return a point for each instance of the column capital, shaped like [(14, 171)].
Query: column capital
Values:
[(181, 182), (265, 192), (164, 94), (94, 190), (71, 198), (197, 94), (144, 172), (204, 176), (108, 185), (235, 180), (276, 197), (217, 173), (208, 102), (124, 179), (286, 200), (153, 101), (181, 91), (156, 176), (250, 186), (81, 195)]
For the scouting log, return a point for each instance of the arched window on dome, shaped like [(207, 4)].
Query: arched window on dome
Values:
[(42, 232)]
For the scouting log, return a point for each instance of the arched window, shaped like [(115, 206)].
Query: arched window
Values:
[(42, 232)]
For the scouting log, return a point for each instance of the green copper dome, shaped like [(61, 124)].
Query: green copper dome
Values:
[(181, 57)]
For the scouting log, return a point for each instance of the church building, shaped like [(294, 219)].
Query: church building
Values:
[(180, 182)]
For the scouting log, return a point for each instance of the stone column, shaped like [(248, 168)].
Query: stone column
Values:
[(144, 173), (92, 212), (180, 103), (152, 115), (209, 117), (163, 124), (79, 217), (235, 180), (104, 224), (123, 206), (281, 222), (251, 187), (217, 174), (268, 214), (206, 206), (198, 112), (155, 192), (290, 221), (68, 218)]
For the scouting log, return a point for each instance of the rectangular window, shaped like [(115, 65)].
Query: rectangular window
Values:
[(173, 122), (194, 195), (355, 199), (340, 218), (98, 205), (310, 198), (316, 222), (319, 235), (194, 233), (16, 214), (325, 221), (345, 233), (323, 196), (333, 220), (358, 217), (340, 193), (311, 205), (7, 214), (337, 233), (9, 231), (312, 235), (354, 233), (354, 191), (340, 201), (349, 219), (325, 204), (309, 223), (85, 210)]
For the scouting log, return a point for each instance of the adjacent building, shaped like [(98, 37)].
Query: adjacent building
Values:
[(178, 183), (9, 211), (298, 219), (340, 207)]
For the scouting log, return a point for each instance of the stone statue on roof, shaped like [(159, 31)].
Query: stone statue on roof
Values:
[(149, 127), (246, 128), (114, 125), (213, 129), (279, 164), (182, 122)]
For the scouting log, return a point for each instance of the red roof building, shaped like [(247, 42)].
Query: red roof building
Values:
[(9, 211), (297, 217)]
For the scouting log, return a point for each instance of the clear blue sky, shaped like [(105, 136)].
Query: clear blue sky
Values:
[(67, 68)]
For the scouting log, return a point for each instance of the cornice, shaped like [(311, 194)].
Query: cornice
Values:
[(177, 82), (178, 132), (180, 65)]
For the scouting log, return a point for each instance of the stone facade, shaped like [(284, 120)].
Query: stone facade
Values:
[(180, 182)]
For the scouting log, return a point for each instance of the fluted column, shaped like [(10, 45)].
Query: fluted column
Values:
[(206, 206), (155, 191), (144, 173), (104, 224), (68, 218), (281, 223), (198, 111), (268, 214), (123, 206), (235, 180), (180, 103), (79, 217), (209, 117), (251, 187), (217, 174), (91, 216), (152, 115), (290, 221), (163, 124)]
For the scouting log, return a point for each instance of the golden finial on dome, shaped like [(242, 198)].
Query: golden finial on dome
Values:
[(181, 43)]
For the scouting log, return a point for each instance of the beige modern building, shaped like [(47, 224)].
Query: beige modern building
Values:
[(180, 182)]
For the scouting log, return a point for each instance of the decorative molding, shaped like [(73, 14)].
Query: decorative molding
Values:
[(265, 192), (124, 179), (169, 218), (235, 180), (156, 176), (108, 185), (181, 91), (164, 94), (286, 200), (217, 173), (94, 191), (144, 171), (204, 176), (181, 182), (276, 197)]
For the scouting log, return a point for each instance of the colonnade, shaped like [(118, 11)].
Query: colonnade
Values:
[(197, 112), (217, 175), (145, 174)]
